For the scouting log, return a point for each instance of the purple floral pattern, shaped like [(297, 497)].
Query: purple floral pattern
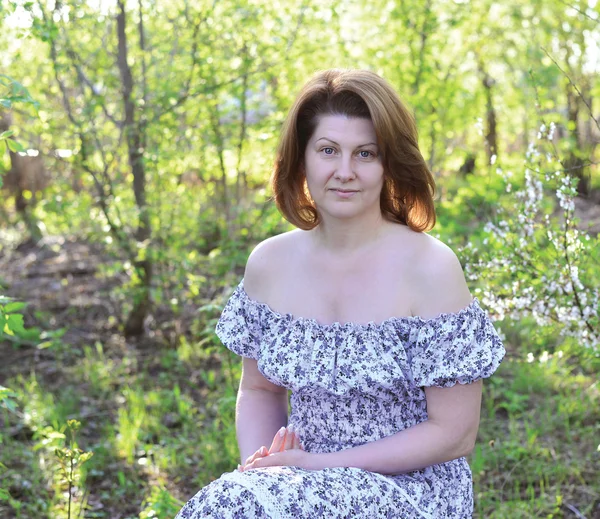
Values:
[(351, 384)]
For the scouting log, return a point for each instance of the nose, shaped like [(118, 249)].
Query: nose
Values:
[(345, 170)]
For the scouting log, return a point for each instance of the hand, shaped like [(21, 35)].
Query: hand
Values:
[(284, 439), (288, 458)]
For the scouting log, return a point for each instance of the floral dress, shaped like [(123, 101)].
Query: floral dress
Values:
[(352, 384)]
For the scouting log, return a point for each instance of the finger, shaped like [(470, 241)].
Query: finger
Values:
[(289, 438), (250, 459), (277, 441), (294, 436), (259, 453), (267, 461), (296, 443)]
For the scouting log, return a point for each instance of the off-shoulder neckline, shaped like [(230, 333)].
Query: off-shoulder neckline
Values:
[(291, 318)]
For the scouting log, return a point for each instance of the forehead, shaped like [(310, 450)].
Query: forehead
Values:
[(341, 128)]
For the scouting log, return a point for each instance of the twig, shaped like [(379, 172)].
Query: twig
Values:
[(580, 11), (86, 493), (18, 341), (575, 87)]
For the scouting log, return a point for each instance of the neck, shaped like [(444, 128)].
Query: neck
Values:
[(348, 236)]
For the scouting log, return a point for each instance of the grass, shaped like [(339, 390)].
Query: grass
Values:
[(537, 454)]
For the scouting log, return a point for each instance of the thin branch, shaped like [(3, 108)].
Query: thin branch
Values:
[(580, 11), (187, 95), (76, 60), (194, 53), (243, 122), (54, 57), (142, 36), (567, 215), (220, 149), (294, 34), (424, 34), (555, 153), (575, 87)]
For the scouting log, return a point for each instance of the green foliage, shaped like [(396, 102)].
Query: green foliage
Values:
[(12, 92), (160, 505), (211, 84), (70, 459), (7, 400), (524, 464)]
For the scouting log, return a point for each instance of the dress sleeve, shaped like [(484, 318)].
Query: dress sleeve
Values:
[(239, 326), (455, 347)]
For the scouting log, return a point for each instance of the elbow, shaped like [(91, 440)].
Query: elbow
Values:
[(467, 449), (467, 442)]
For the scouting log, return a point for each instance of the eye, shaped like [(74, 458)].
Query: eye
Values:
[(328, 150), (365, 154)]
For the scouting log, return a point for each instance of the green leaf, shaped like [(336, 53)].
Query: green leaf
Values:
[(9, 404), (6, 134), (14, 146), (14, 307), (14, 322), (85, 456), (7, 399), (6, 393)]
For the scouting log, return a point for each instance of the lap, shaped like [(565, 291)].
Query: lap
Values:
[(292, 492)]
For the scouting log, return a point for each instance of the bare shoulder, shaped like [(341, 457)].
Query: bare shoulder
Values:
[(266, 262), (439, 281)]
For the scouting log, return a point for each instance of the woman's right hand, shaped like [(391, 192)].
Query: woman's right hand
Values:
[(286, 438)]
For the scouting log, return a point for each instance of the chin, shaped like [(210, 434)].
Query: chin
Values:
[(344, 213)]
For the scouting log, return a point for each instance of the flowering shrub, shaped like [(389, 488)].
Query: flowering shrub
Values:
[(534, 261)]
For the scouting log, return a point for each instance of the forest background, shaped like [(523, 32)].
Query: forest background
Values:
[(137, 140)]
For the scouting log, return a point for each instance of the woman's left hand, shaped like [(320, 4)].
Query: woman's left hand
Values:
[(288, 458)]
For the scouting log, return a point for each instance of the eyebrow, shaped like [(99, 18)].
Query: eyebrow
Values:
[(326, 139)]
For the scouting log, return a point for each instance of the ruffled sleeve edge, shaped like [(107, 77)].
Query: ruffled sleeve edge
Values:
[(459, 347), (238, 327)]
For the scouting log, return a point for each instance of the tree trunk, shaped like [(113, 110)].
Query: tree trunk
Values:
[(135, 321), (491, 136), (25, 174)]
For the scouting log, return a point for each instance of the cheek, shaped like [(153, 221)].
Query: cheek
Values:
[(375, 177), (315, 174), (312, 186)]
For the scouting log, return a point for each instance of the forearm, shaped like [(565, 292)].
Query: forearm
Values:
[(425, 444), (259, 415)]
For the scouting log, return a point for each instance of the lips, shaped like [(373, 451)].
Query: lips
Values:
[(344, 194)]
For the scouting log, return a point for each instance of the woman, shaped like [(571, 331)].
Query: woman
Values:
[(364, 317)]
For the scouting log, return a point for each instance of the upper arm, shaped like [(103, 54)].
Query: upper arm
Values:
[(260, 268), (253, 379), (457, 410), (256, 283)]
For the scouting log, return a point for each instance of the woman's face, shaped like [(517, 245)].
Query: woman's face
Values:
[(343, 167)]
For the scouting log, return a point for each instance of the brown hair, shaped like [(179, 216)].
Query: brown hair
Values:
[(409, 187)]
